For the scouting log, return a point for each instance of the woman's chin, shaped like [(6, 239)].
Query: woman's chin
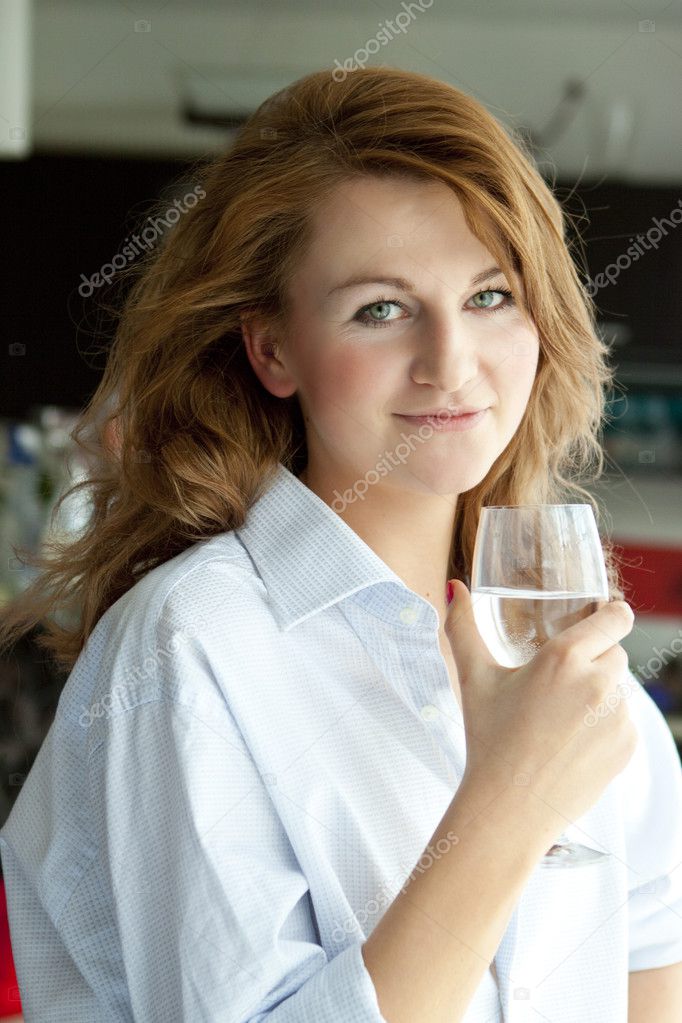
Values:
[(444, 483)]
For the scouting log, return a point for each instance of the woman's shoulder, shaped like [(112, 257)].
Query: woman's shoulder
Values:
[(152, 638), (656, 739), (652, 787), (209, 573)]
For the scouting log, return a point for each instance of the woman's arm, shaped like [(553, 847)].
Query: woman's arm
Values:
[(429, 951), (655, 995)]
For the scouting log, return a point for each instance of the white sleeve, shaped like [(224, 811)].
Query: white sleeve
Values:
[(212, 908), (653, 815)]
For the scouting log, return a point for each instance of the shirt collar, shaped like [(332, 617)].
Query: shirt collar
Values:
[(309, 558)]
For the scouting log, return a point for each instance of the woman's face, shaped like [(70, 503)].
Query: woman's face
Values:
[(359, 354)]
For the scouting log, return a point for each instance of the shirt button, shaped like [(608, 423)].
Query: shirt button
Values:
[(409, 615), (429, 712)]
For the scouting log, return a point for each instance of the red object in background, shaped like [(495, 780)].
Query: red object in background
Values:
[(10, 1004), (653, 578)]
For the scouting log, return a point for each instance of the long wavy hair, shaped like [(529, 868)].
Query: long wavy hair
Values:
[(180, 435)]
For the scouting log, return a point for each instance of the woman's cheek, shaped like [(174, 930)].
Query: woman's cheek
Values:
[(519, 383), (350, 392), (513, 361), (350, 370), (333, 386)]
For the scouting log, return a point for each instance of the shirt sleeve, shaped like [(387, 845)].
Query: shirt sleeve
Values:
[(213, 911), (653, 800)]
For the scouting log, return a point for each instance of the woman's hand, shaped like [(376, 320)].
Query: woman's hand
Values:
[(531, 725)]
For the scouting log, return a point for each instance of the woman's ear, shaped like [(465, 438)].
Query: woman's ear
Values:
[(263, 350)]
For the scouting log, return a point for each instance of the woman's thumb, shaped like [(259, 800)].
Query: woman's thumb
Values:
[(468, 648)]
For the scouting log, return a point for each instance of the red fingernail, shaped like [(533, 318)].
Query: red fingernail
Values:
[(450, 592)]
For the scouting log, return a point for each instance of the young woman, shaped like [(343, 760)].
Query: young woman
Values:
[(285, 779)]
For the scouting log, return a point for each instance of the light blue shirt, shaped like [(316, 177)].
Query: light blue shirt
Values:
[(248, 761)]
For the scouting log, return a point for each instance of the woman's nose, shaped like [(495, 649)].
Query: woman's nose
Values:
[(446, 358)]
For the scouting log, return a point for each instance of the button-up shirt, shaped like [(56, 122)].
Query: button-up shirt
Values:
[(246, 765)]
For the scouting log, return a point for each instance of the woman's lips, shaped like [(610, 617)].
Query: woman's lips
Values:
[(447, 424)]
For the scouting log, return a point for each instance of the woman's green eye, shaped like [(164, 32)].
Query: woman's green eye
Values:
[(363, 315)]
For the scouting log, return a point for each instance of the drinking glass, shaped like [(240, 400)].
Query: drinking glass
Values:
[(537, 569)]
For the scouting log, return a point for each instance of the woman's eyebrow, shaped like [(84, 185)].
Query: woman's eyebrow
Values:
[(401, 283)]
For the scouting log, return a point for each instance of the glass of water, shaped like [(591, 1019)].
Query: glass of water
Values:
[(537, 569)]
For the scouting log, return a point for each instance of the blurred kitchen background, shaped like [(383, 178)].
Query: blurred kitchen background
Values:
[(106, 105)]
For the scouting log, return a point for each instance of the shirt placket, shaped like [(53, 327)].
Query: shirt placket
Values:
[(435, 702), (425, 687)]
